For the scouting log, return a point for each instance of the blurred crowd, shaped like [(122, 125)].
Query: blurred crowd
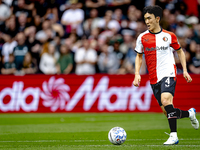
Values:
[(88, 36)]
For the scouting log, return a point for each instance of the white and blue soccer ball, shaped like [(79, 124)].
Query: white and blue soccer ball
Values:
[(117, 135)]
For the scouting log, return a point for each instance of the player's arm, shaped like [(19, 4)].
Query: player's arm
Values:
[(138, 64), (182, 58)]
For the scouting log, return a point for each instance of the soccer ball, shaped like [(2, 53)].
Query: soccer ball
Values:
[(117, 135)]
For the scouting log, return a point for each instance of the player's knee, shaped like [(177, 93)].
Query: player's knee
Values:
[(166, 100)]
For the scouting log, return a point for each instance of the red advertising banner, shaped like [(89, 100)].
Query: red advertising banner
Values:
[(96, 93)]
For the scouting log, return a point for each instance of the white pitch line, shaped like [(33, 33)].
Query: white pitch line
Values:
[(137, 145), (189, 139), (111, 145)]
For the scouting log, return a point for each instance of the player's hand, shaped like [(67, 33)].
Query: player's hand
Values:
[(137, 80), (187, 77)]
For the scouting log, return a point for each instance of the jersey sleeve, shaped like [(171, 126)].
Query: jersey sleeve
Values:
[(174, 42), (139, 46)]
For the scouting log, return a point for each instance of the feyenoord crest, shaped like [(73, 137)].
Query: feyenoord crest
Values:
[(165, 39)]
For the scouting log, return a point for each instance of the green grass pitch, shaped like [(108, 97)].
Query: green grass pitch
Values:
[(89, 131)]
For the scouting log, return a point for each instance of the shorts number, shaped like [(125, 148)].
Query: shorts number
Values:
[(167, 82)]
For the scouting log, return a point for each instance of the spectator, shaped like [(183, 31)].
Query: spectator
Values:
[(128, 65), (40, 9), (164, 23), (112, 31), (5, 12), (116, 50), (22, 22), (194, 66), (20, 6), (10, 26), (142, 3), (48, 61), (109, 28), (128, 40), (91, 23), (182, 41), (100, 5), (58, 28), (118, 15), (192, 48), (172, 22), (108, 61), (72, 19), (72, 42), (9, 67), (196, 34), (161, 3), (8, 2), (28, 66), (57, 41), (121, 4), (94, 34), (103, 23), (20, 50), (46, 10), (65, 62), (133, 15), (66, 4), (85, 59), (181, 28), (52, 12), (37, 22), (43, 21), (180, 8), (47, 33), (7, 48), (34, 45)]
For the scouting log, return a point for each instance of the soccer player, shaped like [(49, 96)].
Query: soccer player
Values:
[(157, 44)]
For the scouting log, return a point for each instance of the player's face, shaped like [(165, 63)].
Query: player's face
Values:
[(151, 22)]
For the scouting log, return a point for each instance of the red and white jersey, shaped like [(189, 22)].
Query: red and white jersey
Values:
[(158, 50)]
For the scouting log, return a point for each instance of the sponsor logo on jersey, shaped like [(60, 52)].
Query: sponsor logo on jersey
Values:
[(156, 48)]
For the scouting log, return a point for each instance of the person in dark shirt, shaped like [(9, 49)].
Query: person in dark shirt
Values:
[(19, 6), (100, 5), (10, 27), (194, 66), (22, 22), (20, 50), (9, 67)]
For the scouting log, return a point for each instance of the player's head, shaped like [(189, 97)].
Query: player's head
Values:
[(155, 10), (152, 16)]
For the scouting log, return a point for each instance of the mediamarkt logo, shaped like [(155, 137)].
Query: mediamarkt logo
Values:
[(54, 94)]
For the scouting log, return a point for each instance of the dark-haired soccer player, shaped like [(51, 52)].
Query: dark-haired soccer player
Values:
[(157, 44)]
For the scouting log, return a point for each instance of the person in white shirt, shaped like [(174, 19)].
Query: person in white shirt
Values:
[(8, 48), (48, 61), (85, 58), (72, 19), (5, 12)]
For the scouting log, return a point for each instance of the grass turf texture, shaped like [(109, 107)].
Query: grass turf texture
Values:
[(89, 131)]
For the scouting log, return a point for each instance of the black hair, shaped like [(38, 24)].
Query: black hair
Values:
[(156, 10)]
